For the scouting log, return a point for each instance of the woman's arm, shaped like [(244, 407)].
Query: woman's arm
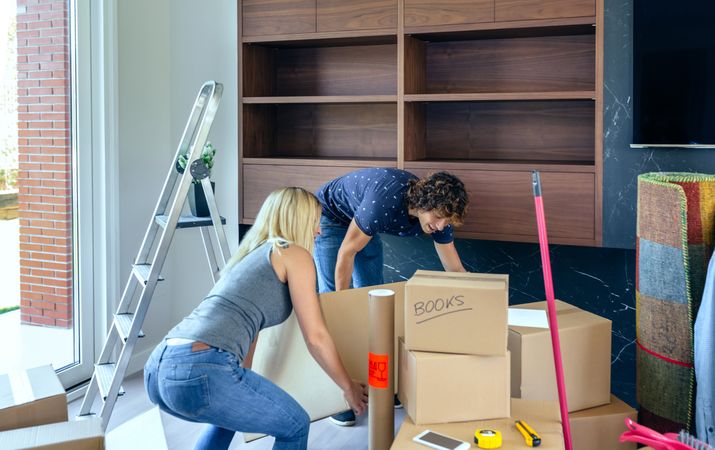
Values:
[(301, 278)]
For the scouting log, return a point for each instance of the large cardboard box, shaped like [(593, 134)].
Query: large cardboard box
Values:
[(444, 387), (77, 435), (544, 417), (457, 312), (586, 354), (143, 432), (600, 427), (31, 397), (282, 357)]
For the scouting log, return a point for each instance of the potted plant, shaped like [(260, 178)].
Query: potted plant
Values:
[(197, 199)]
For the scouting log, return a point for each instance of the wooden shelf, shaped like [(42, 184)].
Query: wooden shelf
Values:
[(545, 27), (321, 99), (488, 90), (329, 162), (496, 96), (325, 39), (502, 165)]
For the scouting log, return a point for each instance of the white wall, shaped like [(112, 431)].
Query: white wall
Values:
[(166, 50)]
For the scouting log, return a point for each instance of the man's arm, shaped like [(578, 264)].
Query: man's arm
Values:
[(449, 257), (354, 241)]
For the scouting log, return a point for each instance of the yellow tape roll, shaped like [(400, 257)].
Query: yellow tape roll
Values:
[(487, 438)]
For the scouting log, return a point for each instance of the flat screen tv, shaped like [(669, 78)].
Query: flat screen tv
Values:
[(674, 73)]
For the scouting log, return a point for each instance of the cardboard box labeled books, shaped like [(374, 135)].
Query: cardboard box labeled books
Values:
[(600, 427), (31, 397), (456, 312), (544, 417), (444, 387), (586, 354)]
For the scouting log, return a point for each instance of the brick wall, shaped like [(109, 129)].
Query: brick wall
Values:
[(44, 180)]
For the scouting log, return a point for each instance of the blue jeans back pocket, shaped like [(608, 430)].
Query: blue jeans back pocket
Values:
[(187, 397)]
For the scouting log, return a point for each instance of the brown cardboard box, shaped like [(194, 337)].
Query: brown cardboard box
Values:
[(31, 397), (77, 435), (445, 387), (282, 357), (600, 427), (544, 417), (346, 315), (586, 354), (456, 312)]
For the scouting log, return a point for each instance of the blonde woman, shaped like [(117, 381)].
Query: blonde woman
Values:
[(201, 371)]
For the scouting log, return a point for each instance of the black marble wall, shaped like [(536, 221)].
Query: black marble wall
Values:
[(598, 280), (622, 164)]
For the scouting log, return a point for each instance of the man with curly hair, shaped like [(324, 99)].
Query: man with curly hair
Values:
[(361, 204)]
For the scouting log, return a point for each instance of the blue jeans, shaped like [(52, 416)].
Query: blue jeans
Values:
[(208, 386), (367, 270)]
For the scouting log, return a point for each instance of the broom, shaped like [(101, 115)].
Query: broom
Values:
[(551, 306)]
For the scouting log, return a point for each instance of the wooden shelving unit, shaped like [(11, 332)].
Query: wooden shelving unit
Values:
[(489, 91)]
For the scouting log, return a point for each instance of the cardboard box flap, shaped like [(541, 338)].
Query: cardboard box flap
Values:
[(77, 435), (19, 387), (461, 279), (617, 407), (568, 317)]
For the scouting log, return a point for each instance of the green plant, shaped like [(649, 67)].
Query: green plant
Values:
[(207, 156), (6, 309)]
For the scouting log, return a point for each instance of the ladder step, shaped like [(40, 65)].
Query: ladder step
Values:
[(141, 271), (188, 221), (124, 324), (105, 374)]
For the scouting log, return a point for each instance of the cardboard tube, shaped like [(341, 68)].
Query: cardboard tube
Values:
[(381, 411)]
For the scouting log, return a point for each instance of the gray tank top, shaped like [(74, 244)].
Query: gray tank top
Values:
[(246, 299)]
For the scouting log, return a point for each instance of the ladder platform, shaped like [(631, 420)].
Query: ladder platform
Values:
[(188, 221), (124, 324), (141, 271), (105, 374)]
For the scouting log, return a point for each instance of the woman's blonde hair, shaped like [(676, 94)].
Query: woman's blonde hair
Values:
[(288, 216)]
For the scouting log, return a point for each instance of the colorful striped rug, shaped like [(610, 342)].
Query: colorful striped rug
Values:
[(674, 243)]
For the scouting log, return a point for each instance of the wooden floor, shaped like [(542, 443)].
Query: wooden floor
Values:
[(181, 435)]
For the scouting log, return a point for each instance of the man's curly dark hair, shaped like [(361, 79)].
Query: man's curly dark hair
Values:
[(440, 192)]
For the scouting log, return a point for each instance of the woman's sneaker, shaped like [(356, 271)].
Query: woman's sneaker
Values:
[(344, 419), (347, 418)]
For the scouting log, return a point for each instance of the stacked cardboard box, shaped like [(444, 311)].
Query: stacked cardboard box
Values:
[(453, 364), (596, 417), (33, 414), (31, 397)]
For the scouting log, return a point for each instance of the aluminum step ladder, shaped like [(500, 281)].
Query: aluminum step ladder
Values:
[(126, 326)]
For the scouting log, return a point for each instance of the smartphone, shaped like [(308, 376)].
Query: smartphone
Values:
[(440, 441)]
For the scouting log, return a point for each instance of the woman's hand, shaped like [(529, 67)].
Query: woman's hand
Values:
[(356, 396)]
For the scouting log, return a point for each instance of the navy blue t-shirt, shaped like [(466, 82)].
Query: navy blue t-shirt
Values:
[(375, 198)]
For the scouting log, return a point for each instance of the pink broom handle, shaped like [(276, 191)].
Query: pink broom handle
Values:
[(551, 306)]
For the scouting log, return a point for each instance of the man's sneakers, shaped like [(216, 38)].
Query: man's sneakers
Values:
[(347, 418), (344, 419)]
